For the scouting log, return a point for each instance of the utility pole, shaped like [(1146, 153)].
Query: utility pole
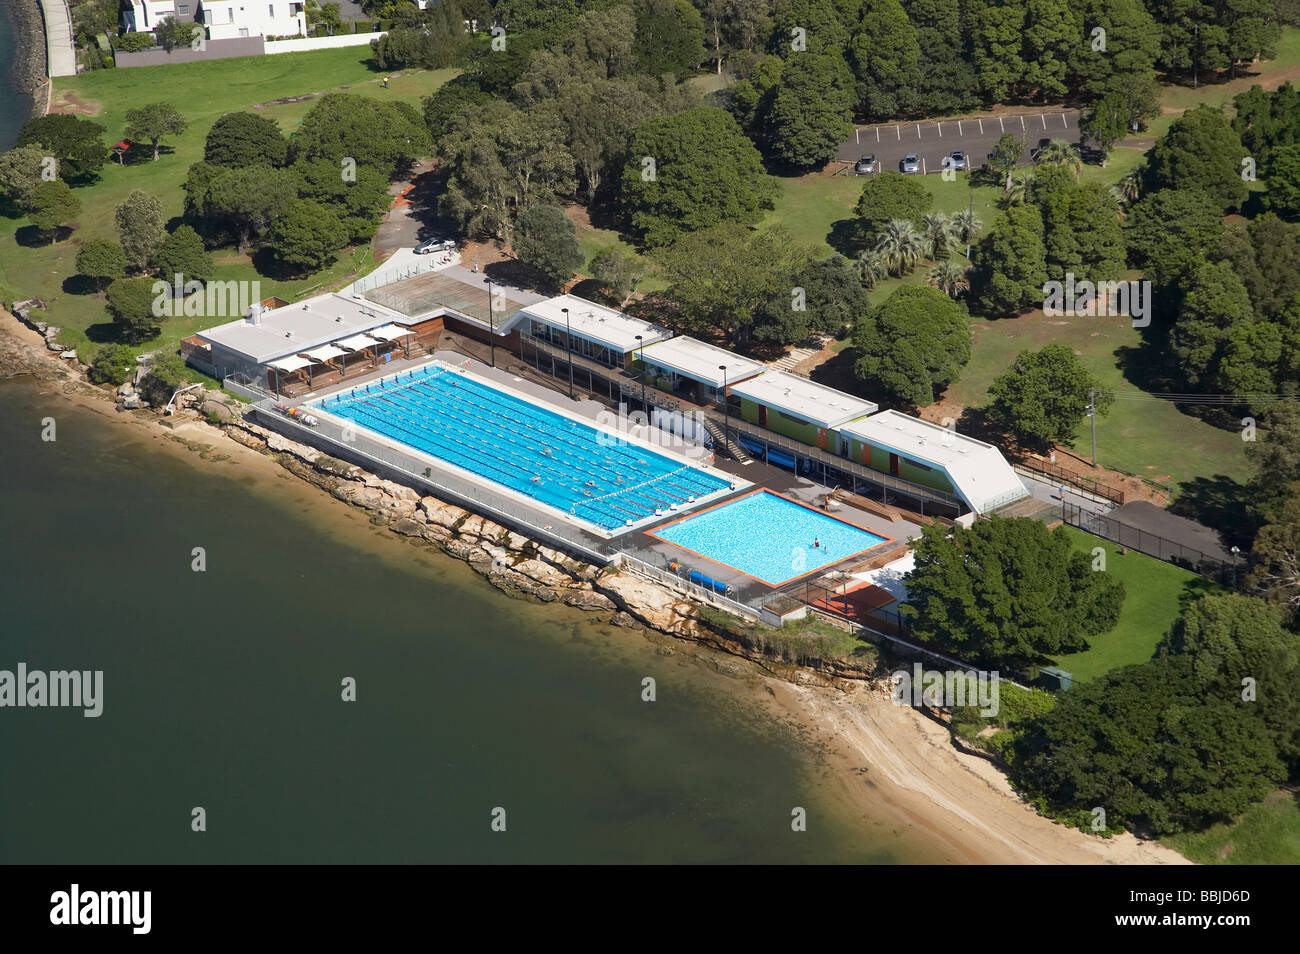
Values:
[(1092, 413)]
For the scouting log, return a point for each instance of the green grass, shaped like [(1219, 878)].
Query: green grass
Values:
[(1155, 592), (1267, 834), (202, 92)]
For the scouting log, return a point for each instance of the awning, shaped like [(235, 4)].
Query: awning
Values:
[(291, 363), (324, 353), (390, 332), (355, 343)]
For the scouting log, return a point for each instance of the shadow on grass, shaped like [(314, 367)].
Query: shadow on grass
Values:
[(81, 285), (29, 236), (105, 332)]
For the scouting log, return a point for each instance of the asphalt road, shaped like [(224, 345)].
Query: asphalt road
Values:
[(931, 140)]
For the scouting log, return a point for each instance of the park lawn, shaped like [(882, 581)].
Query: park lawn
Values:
[(594, 240), (1267, 834), (1154, 594), (202, 92)]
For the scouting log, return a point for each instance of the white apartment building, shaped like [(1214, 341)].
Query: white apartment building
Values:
[(225, 19)]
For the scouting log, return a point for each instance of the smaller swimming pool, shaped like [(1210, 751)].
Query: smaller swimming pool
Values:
[(769, 537)]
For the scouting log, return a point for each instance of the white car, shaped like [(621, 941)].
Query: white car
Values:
[(435, 245)]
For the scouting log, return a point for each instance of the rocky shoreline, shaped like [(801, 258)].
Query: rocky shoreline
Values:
[(28, 71)]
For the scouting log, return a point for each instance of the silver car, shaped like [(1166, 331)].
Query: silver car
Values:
[(910, 163)]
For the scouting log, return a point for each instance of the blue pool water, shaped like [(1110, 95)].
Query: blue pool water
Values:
[(769, 537), (543, 455)]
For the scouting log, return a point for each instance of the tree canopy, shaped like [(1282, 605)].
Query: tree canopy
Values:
[(913, 345)]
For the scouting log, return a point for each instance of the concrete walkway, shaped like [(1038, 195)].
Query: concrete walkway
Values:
[(61, 55)]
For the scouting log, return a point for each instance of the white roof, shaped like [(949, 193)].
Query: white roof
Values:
[(356, 342), (390, 332), (292, 363), (605, 325), (324, 353), (295, 328), (980, 474), (699, 361), (804, 399)]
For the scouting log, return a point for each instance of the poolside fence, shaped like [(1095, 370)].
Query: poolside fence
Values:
[(682, 585)]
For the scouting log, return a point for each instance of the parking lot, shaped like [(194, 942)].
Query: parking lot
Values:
[(932, 140)]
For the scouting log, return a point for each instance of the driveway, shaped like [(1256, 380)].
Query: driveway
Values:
[(931, 140)]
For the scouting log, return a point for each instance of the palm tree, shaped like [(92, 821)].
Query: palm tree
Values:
[(938, 233), (1017, 190), (1060, 153), (1130, 185), (949, 277), (901, 245), (965, 226), (871, 268)]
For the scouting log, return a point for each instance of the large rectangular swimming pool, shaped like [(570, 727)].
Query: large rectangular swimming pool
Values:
[(556, 460), (769, 537)]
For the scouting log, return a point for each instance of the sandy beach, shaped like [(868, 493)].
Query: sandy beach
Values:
[(882, 764)]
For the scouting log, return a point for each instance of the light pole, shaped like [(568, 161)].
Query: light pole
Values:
[(726, 410), (492, 328), (1234, 551), (641, 359), (568, 344)]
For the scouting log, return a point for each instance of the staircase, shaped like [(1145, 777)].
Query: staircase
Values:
[(791, 358), (734, 450)]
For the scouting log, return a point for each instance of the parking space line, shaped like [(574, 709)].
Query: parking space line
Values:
[(856, 140), (959, 132), (1044, 119), (981, 122), (877, 134), (898, 133), (1022, 121), (1065, 122), (939, 126)]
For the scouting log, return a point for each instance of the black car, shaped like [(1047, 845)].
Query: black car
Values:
[(866, 166)]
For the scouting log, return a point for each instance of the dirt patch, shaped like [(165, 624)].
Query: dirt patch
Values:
[(69, 102)]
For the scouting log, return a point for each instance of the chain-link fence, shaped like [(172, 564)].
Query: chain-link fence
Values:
[(1210, 566)]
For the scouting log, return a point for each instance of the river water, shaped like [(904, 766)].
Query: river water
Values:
[(222, 688), (15, 106)]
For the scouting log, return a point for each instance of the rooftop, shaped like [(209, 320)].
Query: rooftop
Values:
[(804, 399), (596, 322), (299, 327), (979, 472), (700, 362)]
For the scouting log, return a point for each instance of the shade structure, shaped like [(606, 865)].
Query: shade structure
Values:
[(324, 353), (292, 363), (354, 343), (390, 332)]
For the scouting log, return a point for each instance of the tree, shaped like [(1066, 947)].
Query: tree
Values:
[(1283, 177), (719, 278), (547, 242), (1275, 557), (101, 260), (166, 374), (828, 295), (172, 33), (809, 115), (112, 364), (182, 253), (52, 205), (245, 139), (131, 302), (618, 272), (886, 58), (359, 201), (1008, 591), (600, 116), (342, 126), (1142, 743), (701, 170), (76, 144), (1276, 458), (950, 277), (1213, 303), (249, 200), (732, 26), (433, 42), (888, 196), (141, 227), (1005, 156), (996, 32), (913, 345), (947, 83), (153, 123), (902, 246), (1230, 639), (305, 235), (1043, 398), (669, 37), (1188, 215), (21, 170), (1106, 123), (1083, 234), (1201, 151), (1011, 263)]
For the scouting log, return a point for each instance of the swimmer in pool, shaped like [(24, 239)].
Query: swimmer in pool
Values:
[(816, 543)]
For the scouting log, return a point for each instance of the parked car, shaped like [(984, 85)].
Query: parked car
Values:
[(433, 245), (957, 161), (866, 166), (910, 163)]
